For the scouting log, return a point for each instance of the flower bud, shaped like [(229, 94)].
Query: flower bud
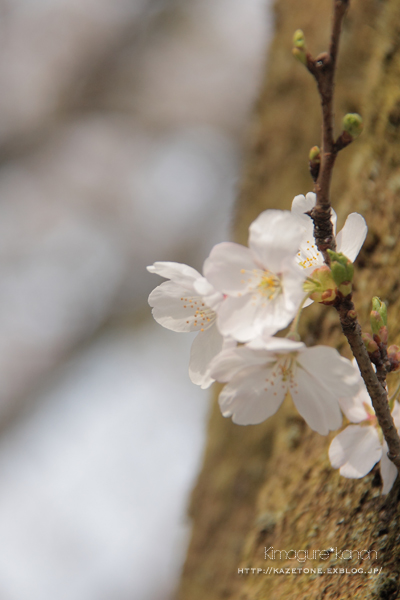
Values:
[(315, 155), (378, 320), (299, 41), (382, 336), (321, 286), (300, 55), (342, 271), (394, 357), (352, 124), (380, 307), (369, 343)]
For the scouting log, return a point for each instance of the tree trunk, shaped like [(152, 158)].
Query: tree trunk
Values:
[(271, 485)]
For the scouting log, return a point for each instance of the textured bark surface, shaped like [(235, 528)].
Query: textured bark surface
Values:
[(271, 485)]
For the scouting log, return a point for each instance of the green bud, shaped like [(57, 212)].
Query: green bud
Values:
[(299, 41), (315, 155), (342, 268), (376, 321), (300, 55), (321, 286), (345, 288), (380, 307), (352, 124)]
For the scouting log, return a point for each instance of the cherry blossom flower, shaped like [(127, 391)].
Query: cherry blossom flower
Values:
[(262, 283), (358, 448), (261, 373), (187, 303), (348, 241)]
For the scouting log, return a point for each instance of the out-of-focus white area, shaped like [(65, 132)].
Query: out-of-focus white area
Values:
[(121, 123), (97, 471)]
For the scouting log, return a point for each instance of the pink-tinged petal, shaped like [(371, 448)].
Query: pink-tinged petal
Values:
[(317, 406), (355, 450), (230, 268), (237, 318), (206, 345), (177, 272), (274, 236), (388, 470), (277, 345), (302, 205), (350, 239), (230, 362), (176, 309), (335, 373), (248, 399)]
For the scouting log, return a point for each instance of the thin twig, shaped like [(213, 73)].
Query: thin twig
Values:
[(323, 70)]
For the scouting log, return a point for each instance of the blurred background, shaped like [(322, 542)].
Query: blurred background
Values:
[(121, 130)]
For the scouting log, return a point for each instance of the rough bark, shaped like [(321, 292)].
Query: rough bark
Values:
[(272, 484)]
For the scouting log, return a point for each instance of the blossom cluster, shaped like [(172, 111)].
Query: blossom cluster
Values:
[(248, 294)]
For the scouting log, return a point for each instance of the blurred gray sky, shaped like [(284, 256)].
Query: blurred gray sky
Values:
[(121, 123)]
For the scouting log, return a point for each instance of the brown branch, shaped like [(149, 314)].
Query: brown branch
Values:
[(323, 69), (376, 390)]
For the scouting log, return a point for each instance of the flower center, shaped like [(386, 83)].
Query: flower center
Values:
[(309, 255), (285, 368), (269, 285), (200, 315), (283, 375)]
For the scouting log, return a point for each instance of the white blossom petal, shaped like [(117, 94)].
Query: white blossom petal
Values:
[(354, 407), (388, 470), (274, 236), (350, 239), (176, 272), (274, 315), (292, 286), (206, 345), (230, 362), (335, 373), (230, 268), (204, 287), (302, 205), (333, 221), (355, 450), (237, 318), (277, 345), (178, 310), (247, 398), (396, 414), (318, 407)]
